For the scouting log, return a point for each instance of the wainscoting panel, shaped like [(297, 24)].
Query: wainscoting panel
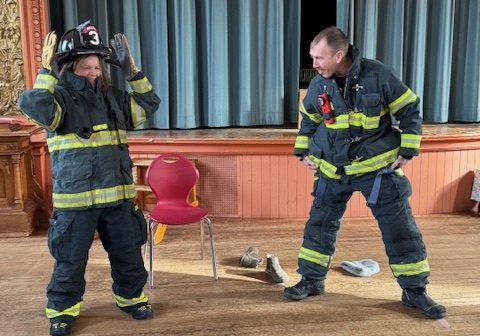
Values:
[(280, 186), (251, 173), (274, 186)]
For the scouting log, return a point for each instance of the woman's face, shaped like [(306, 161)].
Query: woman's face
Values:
[(88, 67)]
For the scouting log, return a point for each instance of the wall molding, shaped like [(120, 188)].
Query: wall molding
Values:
[(34, 26)]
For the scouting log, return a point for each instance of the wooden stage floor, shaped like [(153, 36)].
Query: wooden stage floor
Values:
[(244, 301), (466, 130)]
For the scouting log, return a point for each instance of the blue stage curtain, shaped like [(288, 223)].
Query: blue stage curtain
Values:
[(214, 63), (434, 46)]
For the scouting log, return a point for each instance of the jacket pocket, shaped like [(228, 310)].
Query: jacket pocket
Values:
[(371, 104), (73, 176), (372, 108)]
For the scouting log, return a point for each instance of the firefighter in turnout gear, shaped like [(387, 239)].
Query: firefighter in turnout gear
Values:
[(86, 121), (347, 137)]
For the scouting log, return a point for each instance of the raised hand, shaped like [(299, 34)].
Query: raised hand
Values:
[(48, 51), (119, 44)]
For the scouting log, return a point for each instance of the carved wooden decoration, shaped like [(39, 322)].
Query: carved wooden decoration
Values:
[(11, 63), (19, 212), (34, 26)]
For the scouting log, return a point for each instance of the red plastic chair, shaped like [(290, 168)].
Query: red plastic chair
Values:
[(171, 178)]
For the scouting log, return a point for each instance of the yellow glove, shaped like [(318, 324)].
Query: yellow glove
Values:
[(48, 50)]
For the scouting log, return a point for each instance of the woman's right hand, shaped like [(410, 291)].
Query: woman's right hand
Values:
[(48, 51)]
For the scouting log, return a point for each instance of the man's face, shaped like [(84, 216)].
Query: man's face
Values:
[(88, 67), (325, 61)]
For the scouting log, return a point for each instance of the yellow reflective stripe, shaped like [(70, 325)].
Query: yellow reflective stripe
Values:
[(341, 122), (407, 98), (374, 163), (314, 257), (315, 117), (326, 167), (141, 85), (57, 116), (138, 113), (410, 140), (72, 311), (122, 302), (95, 196), (302, 108), (371, 122), (301, 142), (356, 118), (100, 127), (97, 139), (329, 170), (410, 269), (46, 82)]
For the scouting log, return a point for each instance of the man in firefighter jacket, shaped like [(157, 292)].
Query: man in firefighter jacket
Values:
[(347, 137), (87, 122)]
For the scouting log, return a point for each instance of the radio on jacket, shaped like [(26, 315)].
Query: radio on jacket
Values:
[(326, 107)]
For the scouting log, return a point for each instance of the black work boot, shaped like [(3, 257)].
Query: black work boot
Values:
[(418, 298), (139, 311), (304, 288), (61, 325)]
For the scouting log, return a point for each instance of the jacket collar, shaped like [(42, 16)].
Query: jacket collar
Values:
[(78, 83), (354, 55)]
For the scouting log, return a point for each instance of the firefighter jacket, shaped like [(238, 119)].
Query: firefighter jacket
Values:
[(87, 136), (362, 138)]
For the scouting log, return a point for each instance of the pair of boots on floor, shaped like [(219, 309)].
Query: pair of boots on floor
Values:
[(414, 298), (61, 325), (251, 259)]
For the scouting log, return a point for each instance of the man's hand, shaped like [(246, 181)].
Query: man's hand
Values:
[(48, 50), (119, 44), (309, 163), (399, 163)]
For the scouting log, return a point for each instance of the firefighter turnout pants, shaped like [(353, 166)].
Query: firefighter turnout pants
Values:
[(122, 231), (401, 236)]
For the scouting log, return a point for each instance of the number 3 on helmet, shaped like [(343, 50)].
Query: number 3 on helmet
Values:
[(82, 40)]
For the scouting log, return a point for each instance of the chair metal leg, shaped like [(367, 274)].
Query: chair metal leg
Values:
[(202, 241), (145, 248), (212, 247), (151, 226)]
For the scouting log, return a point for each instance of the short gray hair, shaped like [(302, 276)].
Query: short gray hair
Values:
[(335, 38)]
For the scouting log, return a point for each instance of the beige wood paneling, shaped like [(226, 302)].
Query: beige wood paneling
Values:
[(260, 178)]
